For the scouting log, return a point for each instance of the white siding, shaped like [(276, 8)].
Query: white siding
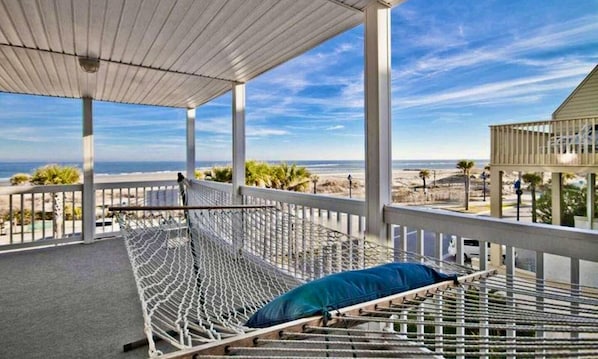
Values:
[(583, 101)]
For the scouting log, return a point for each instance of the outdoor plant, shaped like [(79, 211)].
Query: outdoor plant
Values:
[(424, 174), (574, 204), (70, 214), (55, 174), (281, 176), (19, 179), (465, 166), (19, 218), (534, 180)]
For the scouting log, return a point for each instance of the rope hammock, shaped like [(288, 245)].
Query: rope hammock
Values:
[(486, 315), (204, 268)]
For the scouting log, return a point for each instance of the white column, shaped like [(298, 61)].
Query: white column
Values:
[(378, 166), (496, 192), (191, 143), (89, 198), (238, 141), (557, 192), (591, 199)]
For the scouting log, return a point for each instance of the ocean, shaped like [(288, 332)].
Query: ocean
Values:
[(7, 169)]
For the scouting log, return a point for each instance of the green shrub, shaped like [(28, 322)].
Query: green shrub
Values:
[(69, 214), (281, 176), (574, 204), (18, 218), (55, 174), (19, 178)]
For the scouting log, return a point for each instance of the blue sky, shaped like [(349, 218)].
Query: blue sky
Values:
[(457, 67)]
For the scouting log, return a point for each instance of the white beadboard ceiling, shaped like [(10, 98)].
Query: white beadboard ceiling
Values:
[(158, 52)]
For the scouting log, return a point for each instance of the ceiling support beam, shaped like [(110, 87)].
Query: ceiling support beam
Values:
[(106, 61), (378, 155), (89, 205), (346, 6), (191, 143), (238, 141)]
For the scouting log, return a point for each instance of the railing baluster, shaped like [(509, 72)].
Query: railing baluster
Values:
[(540, 277), (32, 217), (10, 218), (22, 209), (43, 215), (419, 244)]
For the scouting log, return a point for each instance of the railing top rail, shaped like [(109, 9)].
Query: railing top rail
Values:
[(174, 208), (330, 203), (564, 241), (11, 190), (220, 186), (542, 122), (27, 189), (135, 184)]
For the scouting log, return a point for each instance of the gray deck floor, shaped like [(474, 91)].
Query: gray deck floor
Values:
[(75, 301)]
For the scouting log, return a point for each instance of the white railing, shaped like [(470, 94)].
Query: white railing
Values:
[(27, 213), (564, 254), (560, 253), (342, 214), (546, 143)]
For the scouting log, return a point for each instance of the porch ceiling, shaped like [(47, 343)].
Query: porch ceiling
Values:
[(158, 52)]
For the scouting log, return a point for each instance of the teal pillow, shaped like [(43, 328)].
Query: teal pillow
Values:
[(343, 289)]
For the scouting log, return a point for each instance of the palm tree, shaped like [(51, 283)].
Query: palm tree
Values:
[(466, 166), (292, 178), (258, 174), (56, 174), (423, 174), (534, 181)]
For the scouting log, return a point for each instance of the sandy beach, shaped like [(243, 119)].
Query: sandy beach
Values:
[(443, 185), (444, 188)]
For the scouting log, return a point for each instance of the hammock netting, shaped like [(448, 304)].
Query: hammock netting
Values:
[(201, 273)]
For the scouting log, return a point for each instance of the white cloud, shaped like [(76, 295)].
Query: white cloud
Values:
[(263, 132), (500, 91), (337, 127)]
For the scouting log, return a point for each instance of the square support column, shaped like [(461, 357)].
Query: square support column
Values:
[(89, 198), (557, 198), (238, 141), (190, 143), (378, 156), (496, 193), (591, 199), (496, 211)]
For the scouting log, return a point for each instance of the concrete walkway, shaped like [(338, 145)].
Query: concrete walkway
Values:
[(75, 301)]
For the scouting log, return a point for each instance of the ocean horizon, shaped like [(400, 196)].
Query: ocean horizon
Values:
[(8, 169)]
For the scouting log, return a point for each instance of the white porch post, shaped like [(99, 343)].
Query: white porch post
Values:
[(89, 198), (378, 166), (591, 199), (557, 192), (191, 143), (238, 141), (496, 176)]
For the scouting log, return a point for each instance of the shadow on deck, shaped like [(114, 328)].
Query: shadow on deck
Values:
[(75, 301)]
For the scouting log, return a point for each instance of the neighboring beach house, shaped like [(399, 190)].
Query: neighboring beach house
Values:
[(568, 143)]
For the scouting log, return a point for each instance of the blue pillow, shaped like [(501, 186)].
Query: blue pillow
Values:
[(343, 289)]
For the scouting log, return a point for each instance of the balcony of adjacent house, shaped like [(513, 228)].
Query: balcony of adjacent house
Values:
[(552, 145)]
